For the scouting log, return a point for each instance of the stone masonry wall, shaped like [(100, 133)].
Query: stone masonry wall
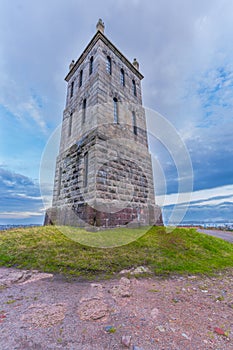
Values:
[(120, 188)]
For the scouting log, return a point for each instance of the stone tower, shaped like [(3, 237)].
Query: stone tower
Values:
[(103, 171)]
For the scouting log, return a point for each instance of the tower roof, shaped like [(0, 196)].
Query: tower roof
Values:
[(100, 36)]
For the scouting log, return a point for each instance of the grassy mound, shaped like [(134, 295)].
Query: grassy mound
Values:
[(180, 251)]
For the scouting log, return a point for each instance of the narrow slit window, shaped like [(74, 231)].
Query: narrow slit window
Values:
[(72, 89), (70, 124), (59, 182), (122, 77), (134, 88), (81, 78), (84, 110), (91, 65), (115, 110), (135, 131), (103, 176), (85, 174), (109, 65)]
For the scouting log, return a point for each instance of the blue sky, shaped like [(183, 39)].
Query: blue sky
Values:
[(185, 53)]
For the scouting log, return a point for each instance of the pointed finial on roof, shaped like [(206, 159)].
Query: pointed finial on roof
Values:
[(71, 64), (100, 26), (135, 63)]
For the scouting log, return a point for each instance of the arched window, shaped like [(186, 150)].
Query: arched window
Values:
[(122, 77), (115, 106), (91, 65), (85, 170), (72, 89), (135, 131), (134, 87), (70, 124), (109, 65), (81, 78), (84, 110)]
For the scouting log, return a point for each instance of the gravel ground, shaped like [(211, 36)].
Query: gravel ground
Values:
[(42, 311)]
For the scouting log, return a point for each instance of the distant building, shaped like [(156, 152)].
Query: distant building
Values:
[(103, 170)]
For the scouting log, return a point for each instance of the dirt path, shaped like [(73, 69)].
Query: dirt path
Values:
[(41, 311), (226, 235)]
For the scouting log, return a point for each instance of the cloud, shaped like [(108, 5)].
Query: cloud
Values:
[(211, 205), (19, 215), (21, 103), (20, 196), (215, 195), (189, 81), (197, 214)]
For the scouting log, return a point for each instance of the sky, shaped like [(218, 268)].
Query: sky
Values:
[(184, 48)]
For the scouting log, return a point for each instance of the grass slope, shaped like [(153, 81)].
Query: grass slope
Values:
[(181, 251)]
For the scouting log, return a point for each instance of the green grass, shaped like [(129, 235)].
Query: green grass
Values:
[(104, 239), (181, 251)]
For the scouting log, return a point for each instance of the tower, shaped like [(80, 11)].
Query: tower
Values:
[(103, 171)]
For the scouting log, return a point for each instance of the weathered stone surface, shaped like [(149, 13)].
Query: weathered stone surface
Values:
[(154, 313), (103, 171), (45, 315), (126, 340), (92, 310), (136, 270), (122, 289), (10, 276)]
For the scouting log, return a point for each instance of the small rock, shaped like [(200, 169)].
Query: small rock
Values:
[(2, 316), (154, 313), (125, 281), (161, 329), (110, 329), (175, 300), (126, 340), (93, 310), (135, 347), (123, 289), (122, 272), (185, 336), (140, 269), (219, 331), (96, 285), (11, 276), (136, 270)]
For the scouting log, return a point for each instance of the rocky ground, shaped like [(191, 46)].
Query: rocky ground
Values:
[(42, 311)]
